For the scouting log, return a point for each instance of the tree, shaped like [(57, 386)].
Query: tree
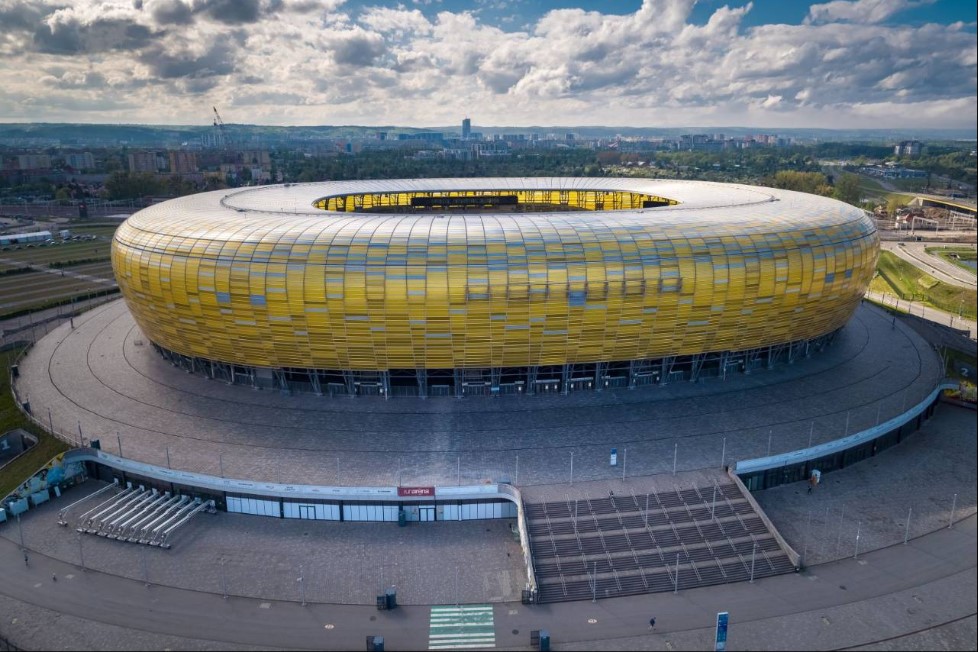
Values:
[(126, 185), (810, 182), (894, 204), (847, 189), (62, 195)]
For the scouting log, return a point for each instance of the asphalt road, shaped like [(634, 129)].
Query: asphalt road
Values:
[(915, 254)]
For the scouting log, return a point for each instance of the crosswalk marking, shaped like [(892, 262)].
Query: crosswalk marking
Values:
[(461, 627)]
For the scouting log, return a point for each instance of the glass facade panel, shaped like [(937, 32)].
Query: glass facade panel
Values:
[(483, 273)]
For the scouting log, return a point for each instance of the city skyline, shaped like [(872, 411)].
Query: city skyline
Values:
[(841, 64)]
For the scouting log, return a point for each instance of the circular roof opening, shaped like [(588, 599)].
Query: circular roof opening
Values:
[(488, 200)]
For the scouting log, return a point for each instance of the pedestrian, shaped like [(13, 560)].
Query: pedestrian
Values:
[(54, 577), (27, 561), (651, 623)]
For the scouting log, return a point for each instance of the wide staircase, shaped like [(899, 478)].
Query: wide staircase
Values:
[(660, 541)]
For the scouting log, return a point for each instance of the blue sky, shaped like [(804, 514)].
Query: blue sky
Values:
[(644, 63), (518, 14)]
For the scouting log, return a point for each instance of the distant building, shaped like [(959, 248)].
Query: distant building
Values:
[(182, 162), (908, 148), (257, 157), (80, 160), (33, 162), (427, 136), (466, 129), (147, 162), (24, 238)]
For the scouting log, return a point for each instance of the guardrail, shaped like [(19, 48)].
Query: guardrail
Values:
[(839, 445), (515, 496)]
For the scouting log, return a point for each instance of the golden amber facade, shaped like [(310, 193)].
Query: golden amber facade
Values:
[(289, 277)]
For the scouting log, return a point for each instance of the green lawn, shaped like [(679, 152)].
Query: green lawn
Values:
[(59, 253), (909, 282), (11, 417), (959, 256), (101, 230), (20, 293), (870, 187)]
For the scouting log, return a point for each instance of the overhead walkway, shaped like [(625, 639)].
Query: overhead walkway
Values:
[(651, 542)]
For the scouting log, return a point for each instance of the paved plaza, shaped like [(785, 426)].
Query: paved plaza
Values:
[(260, 557), (103, 380)]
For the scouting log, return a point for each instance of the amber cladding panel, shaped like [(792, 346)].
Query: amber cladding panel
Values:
[(262, 277)]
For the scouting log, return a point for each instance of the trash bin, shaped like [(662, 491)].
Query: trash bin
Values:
[(544, 640), (381, 602)]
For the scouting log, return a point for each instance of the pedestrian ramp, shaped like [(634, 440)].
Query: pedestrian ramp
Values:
[(461, 627)]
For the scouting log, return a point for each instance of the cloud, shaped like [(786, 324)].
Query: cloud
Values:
[(88, 29), (171, 12), (861, 11), (354, 47), (216, 60), (305, 61)]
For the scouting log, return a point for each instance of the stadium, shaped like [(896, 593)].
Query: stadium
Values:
[(493, 285), (459, 287)]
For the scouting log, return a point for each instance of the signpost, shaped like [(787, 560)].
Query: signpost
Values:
[(720, 644)]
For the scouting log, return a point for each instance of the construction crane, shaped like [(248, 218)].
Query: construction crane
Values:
[(223, 141)]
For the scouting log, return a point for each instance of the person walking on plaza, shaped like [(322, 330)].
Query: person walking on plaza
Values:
[(651, 623)]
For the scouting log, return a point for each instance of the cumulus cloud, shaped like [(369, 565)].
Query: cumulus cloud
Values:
[(354, 47), (329, 61), (861, 11)]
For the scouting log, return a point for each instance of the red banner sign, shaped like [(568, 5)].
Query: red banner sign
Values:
[(415, 491)]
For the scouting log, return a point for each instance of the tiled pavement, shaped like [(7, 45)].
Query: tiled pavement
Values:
[(261, 557), (921, 470), (104, 380)]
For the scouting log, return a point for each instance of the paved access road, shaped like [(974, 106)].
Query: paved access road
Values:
[(915, 253), (888, 593)]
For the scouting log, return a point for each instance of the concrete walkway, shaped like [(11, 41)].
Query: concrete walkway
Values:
[(884, 597), (926, 313), (103, 380), (900, 590)]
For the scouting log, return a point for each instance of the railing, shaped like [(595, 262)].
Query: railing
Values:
[(513, 494), (839, 445)]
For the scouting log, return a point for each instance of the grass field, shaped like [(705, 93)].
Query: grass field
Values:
[(58, 253), (899, 277), (68, 265), (11, 417), (871, 188)]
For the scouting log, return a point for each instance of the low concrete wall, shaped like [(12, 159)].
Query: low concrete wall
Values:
[(795, 558)]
